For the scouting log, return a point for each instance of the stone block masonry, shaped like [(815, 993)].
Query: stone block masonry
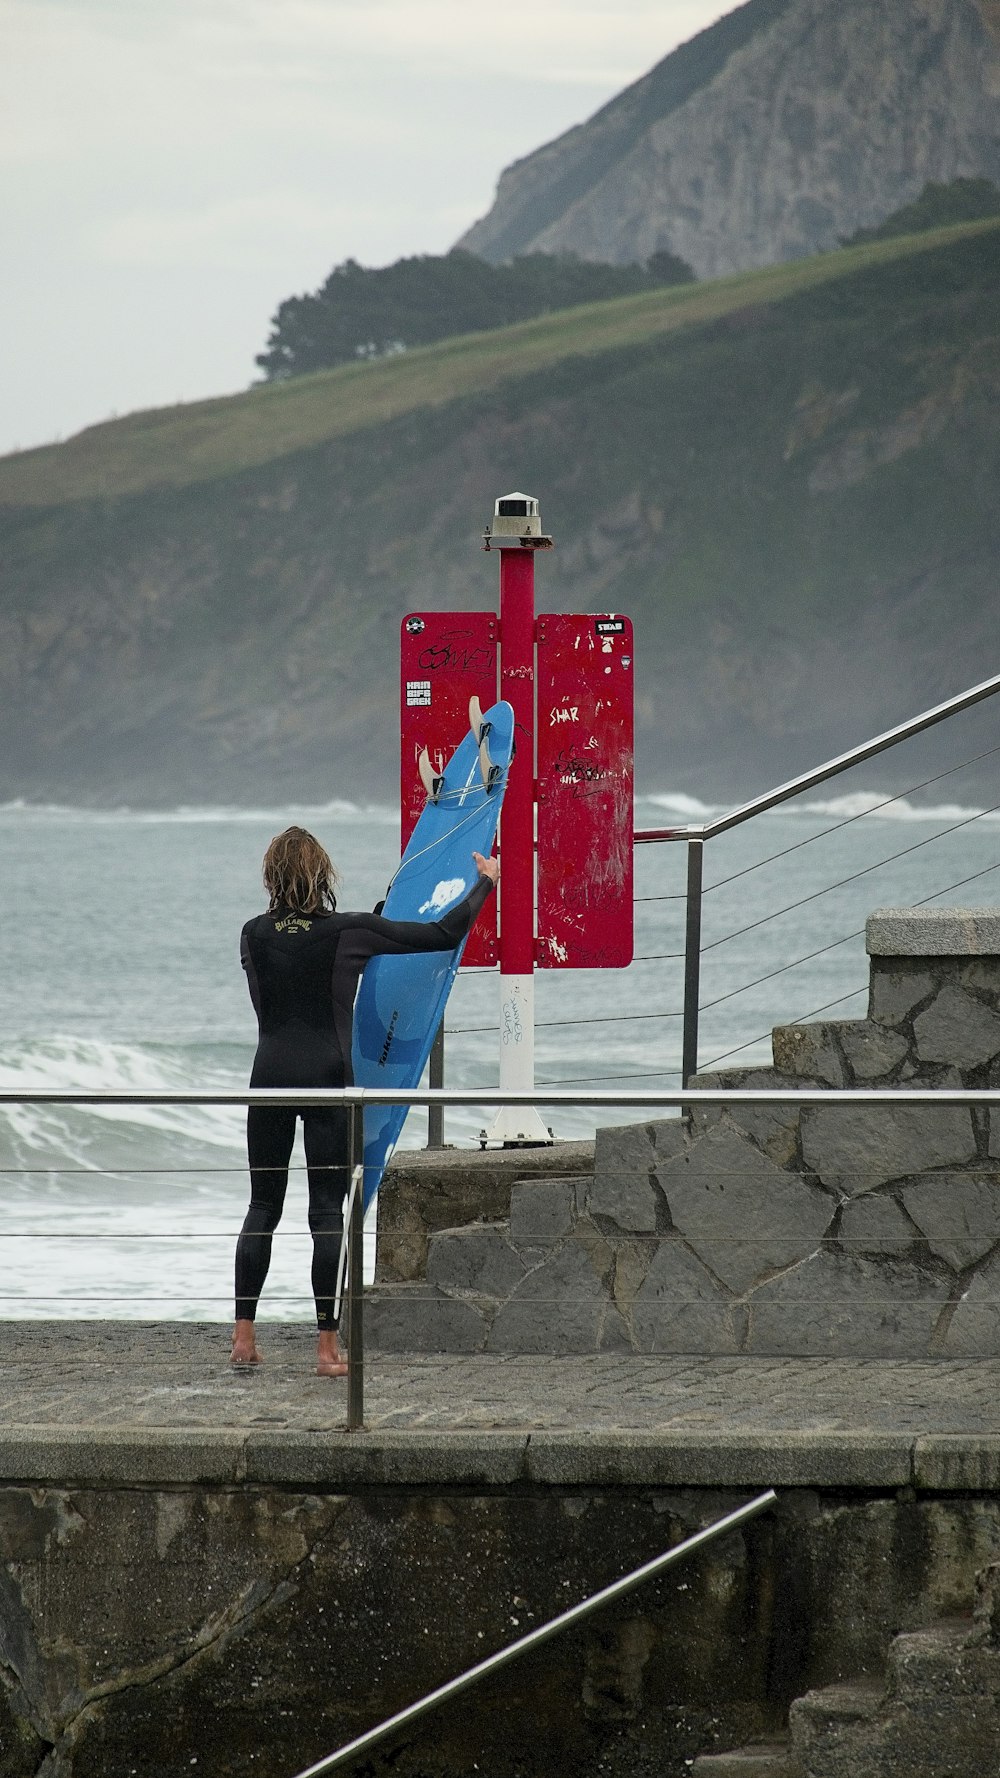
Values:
[(827, 1232)]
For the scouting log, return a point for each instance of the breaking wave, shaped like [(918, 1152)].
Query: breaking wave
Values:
[(873, 804), (377, 814), (93, 1138)]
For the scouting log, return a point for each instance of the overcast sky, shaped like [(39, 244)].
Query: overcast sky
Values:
[(171, 169)]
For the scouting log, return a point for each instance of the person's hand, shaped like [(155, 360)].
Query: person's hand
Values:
[(487, 867)]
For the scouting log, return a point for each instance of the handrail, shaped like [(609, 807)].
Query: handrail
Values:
[(354, 1098), (452, 1687), (668, 1098), (758, 805), (697, 833)]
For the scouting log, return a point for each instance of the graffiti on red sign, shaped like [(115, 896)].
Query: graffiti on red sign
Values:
[(457, 659), (569, 768)]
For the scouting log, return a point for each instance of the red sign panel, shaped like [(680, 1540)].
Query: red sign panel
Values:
[(446, 658), (585, 774)]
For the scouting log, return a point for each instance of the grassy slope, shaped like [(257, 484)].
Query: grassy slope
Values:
[(201, 441)]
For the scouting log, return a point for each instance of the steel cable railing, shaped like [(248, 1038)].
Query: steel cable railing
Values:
[(855, 877), (762, 1037), (834, 768), (837, 827), (706, 1005), (696, 836), (852, 994), (693, 1100), (665, 1014)]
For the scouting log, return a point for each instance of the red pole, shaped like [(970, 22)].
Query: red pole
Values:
[(517, 534), (517, 685)]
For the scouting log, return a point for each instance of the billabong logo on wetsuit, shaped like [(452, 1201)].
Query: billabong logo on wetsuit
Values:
[(292, 924), (386, 1047)]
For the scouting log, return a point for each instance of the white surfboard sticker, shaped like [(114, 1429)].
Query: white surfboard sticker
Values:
[(443, 896)]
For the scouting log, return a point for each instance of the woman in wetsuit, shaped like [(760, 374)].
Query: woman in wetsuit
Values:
[(303, 962)]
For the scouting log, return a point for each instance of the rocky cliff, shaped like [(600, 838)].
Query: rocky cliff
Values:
[(776, 133)]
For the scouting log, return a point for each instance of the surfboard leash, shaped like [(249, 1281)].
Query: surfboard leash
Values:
[(441, 839)]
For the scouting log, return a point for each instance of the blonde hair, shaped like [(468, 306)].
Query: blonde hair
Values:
[(298, 874)]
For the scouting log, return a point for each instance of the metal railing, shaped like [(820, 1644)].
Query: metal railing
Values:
[(345, 1756), (689, 1101), (697, 835)]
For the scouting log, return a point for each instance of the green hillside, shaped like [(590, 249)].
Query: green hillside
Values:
[(196, 441), (788, 479)]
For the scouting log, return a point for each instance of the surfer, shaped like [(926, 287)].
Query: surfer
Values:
[(303, 961)]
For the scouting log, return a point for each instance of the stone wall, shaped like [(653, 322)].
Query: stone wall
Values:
[(429, 1189), (834, 1231), (166, 1631)]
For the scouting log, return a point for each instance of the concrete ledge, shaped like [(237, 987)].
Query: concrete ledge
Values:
[(723, 1460), (933, 932), (148, 1406), (945, 1463), (138, 1457), (351, 1461), (348, 1463)]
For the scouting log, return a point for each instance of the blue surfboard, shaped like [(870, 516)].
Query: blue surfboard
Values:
[(401, 1000)]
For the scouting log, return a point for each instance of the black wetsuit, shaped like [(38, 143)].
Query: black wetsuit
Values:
[(303, 972)]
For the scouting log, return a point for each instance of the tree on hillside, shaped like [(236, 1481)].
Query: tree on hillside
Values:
[(372, 312), (963, 200)]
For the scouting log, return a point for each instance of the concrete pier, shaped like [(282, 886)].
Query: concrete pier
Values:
[(150, 1403), (202, 1571)]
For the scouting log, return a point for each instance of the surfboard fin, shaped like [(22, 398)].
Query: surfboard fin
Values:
[(491, 773), (480, 731), (429, 778)]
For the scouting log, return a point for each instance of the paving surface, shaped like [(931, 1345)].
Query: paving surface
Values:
[(176, 1375), (136, 1403)]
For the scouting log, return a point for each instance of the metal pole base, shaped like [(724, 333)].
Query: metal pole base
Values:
[(435, 1113), (517, 1127)]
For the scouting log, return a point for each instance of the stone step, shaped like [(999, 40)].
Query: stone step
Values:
[(436, 1188), (760, 1759), (479, 1259), (828, 1726), (917, 1658), (944, 1695), (419, 1318), (939, 1716)]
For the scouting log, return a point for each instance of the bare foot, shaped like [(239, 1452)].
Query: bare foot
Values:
[(245, 1350), (330, 1361)]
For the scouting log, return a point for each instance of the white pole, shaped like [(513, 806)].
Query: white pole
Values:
[(517, 1123)]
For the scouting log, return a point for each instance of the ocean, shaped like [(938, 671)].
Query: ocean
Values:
[(119, 967)]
